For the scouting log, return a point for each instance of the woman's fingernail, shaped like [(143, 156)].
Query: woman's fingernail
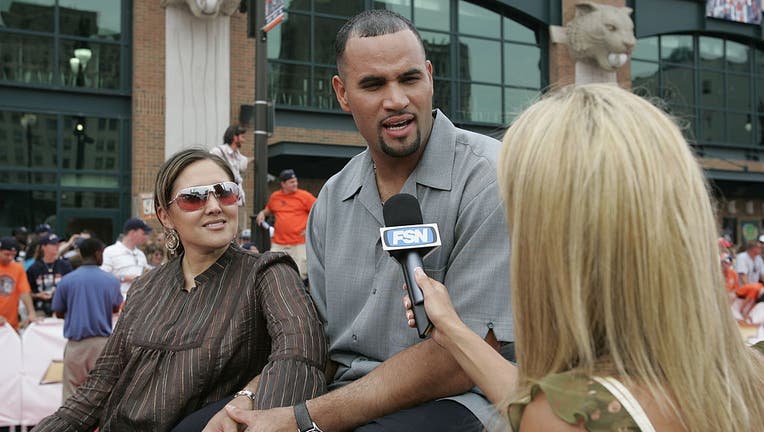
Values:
[(418, 271)]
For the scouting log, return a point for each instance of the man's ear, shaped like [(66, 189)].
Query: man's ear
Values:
[(340, 92)]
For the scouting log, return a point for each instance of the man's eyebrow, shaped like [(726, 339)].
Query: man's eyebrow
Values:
[(411, 73), (371, 80)]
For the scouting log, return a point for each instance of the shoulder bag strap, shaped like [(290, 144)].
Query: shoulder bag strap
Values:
[(628, 401)]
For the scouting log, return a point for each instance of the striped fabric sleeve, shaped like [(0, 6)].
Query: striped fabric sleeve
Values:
[(295, 368)]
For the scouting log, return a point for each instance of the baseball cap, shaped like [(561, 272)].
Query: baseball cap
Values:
[(42, 228), (723, 242), (135, 223), (49, 239), (287, 174), (246, 233), (9, 243)]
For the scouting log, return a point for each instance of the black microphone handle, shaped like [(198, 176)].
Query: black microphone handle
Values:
[(410, 261)]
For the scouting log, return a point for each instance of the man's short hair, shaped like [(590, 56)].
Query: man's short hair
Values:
[(89, 247), (134, 224), (231, 132), (371, 23)]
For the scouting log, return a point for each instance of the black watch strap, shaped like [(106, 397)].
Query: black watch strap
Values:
[(304, 422)]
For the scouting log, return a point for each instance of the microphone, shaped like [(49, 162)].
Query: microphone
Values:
[(408, 240)]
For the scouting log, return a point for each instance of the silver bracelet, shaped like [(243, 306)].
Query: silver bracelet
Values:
[(248, 394)]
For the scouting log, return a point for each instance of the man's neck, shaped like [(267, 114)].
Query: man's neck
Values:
[(128, 243), (391, 173)]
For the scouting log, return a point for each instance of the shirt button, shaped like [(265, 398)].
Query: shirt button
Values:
[(490, 325), (374, 291), (355, 338)]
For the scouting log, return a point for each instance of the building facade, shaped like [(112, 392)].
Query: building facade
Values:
[(95, 95)]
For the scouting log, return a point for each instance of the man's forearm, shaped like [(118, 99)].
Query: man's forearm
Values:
[(416, 375)]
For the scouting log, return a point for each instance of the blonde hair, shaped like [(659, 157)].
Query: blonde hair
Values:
[(615, 269)]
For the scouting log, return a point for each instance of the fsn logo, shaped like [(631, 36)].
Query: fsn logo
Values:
[(410, 236)]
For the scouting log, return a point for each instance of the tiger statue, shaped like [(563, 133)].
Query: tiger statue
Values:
[(601, 35)]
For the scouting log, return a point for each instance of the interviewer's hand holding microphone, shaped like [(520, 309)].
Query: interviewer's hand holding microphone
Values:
[(440, 310)]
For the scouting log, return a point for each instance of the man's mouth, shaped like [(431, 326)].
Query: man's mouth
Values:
[(397, 123)]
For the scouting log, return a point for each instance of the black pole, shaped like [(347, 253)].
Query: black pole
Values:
[(260, 236)]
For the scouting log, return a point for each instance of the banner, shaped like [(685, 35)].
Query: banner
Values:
[(10, 377), (743, 11)]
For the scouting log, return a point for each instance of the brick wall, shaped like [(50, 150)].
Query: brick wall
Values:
[(243, 90), (148, 95)]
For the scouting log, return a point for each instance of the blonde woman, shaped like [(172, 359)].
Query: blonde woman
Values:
[(620, 317)]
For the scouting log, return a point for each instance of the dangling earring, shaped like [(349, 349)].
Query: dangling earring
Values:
[(172, 241)]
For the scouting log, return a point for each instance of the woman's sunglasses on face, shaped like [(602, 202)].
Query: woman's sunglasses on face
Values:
[(195, 197)]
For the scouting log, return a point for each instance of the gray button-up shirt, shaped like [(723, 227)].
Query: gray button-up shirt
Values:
[(357, 286)]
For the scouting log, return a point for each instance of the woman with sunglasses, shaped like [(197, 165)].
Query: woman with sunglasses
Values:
[(214, 325)]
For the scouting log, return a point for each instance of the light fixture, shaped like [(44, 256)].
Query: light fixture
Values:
[(74, 63), (83, 55)]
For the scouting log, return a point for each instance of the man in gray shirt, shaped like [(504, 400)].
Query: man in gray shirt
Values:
[(385, 377)]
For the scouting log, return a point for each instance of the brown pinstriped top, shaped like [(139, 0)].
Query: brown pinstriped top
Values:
[(174, 351)]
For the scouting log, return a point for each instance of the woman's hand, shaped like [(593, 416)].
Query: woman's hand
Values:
[(437, 304)]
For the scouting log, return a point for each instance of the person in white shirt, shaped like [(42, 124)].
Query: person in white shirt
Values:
[(124, 259), (230, 151), (748, 264)]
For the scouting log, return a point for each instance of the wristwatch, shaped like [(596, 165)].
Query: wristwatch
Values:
[(304, 422)]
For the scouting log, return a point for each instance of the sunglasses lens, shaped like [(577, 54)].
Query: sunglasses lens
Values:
[(227, 193), (195, 198), (191, 201)]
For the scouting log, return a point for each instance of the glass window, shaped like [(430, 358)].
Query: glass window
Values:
[(712, 126), (403, 7), (468, 44), (644, 78), (522, 65), (26, 208), (79, 199), (324, 34), (739, 128), (28, 59), (738, 57), (34, 15), (92, 65), (678, 85), (91, 18), (482, 58), (346, 8), (32, 144), (712, 89), (83, 150), (323, 91), (517, 32), (442, 95), (646, 49), (432, 14), (289, 84), (438, 49), (290, 40), (476, 20), (738, 92), (711, 52), (484, 104), (677, 49), (516, 100), (297, 5)]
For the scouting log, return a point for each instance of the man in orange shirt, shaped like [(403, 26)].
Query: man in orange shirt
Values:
[(291, 207), (13, 285)]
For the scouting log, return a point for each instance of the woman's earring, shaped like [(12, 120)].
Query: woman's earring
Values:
[(172, 241)]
